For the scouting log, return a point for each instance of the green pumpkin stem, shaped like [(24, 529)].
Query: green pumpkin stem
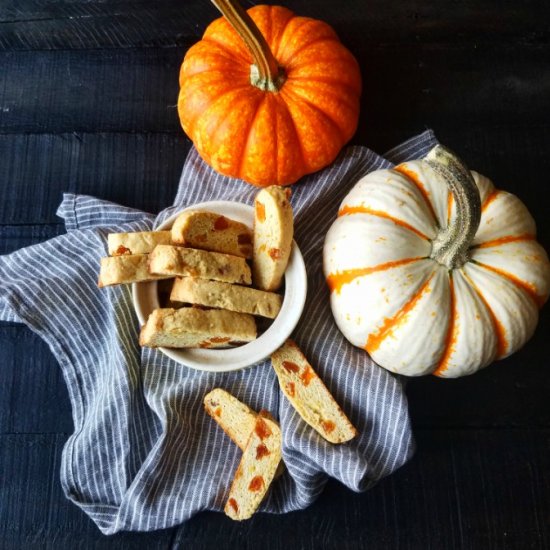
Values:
[(451, 247), (265, 72)]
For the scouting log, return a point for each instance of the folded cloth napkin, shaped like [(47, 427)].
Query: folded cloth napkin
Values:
[(144, 455)]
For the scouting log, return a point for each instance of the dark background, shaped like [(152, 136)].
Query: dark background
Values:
[(88, 90)]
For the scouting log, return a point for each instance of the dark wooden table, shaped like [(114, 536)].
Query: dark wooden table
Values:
[(87, 104)]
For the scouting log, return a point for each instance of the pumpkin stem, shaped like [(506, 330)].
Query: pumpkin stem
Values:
[(265, 72), (451, 247)]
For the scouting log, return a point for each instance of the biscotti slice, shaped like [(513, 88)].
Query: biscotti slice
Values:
[(309, 396), (234, 417), (141, 242), (177, 261), (196, 328), (214, 232), (116, 270), (256, 471), (226, 296), (273, 233)]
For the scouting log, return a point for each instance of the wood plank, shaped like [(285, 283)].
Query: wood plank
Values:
[(464, 489), (142, 170), (35, 514), (477, 71), (38, 25), (509, 393), (17, 236), (92, 90), (63, 24), (137, 170), (121, 90)]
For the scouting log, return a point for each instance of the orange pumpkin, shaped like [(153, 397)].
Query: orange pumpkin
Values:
[(268, 110)]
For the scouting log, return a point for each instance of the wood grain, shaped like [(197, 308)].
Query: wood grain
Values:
[(480, 501), (137, 170), (66, 24), (88, 90)]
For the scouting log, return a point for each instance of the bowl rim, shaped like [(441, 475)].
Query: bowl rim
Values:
[(252, 353)]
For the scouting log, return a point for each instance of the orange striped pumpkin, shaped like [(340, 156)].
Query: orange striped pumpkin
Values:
[(433, 270)]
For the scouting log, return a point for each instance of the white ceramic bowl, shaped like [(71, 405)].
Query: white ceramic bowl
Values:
[(146, 299)]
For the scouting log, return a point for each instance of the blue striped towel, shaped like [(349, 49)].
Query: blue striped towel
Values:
[(143, 454)]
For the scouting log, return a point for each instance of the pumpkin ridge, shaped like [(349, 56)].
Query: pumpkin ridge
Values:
[(229, 54), (350, 210), (304, 47), (489, 199), (213, 105), (246, 145), (528, 288), (328, 60), (298, 136), (275, 108), (337, 280), (504, 240), (268, 32), (450, 338), (390, 323), (222, 95), (236, 74), (275, 46), (214, 80), (312, 83), (332, 122), (302, 22), (413, 177), (218, 100), (196, 120), (500, 332), (325, 80)]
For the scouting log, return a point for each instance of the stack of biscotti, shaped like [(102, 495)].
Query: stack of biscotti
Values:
[(214, 293)]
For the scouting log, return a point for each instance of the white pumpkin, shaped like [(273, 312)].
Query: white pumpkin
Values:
[(433, 270)]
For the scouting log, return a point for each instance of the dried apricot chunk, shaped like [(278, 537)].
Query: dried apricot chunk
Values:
[(289, 366), (256, 484)]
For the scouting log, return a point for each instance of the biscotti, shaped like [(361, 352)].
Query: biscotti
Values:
[(235, 418), (256, 471), (273, 233), (141, 242), (190, 262), (116, 270), (309, 396), (192, 327), (214, 232), (226, 296)]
